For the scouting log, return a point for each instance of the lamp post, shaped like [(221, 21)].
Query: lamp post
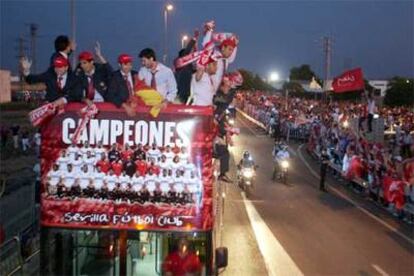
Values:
[(184, 39), (73, 28), (167, 8)]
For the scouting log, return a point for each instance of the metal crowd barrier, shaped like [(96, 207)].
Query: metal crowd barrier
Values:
[(11, 261)]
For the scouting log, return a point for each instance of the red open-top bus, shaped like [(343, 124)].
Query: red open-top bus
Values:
[(119, 200)]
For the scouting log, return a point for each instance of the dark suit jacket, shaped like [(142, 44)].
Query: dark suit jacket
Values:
[(183, 75), (101, 78), (118, 90), (70, 91)]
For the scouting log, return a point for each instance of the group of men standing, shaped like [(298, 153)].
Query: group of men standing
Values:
[(94, 79)]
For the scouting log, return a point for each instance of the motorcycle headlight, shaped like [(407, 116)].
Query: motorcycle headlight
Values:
[(248, 173), (285, 164)]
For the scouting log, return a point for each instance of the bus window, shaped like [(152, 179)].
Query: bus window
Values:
[(166, 253)]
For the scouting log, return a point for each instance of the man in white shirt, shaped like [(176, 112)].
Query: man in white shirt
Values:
[(169, 154), (72, 150), (227, 51), (150, 181), (203, 85), (189, 168), (77, 163), (157, 76), (153, 154), (164, 164), (63, 161), (98, 177), (54, 177), (89, 160), (371, 110), (84, 177), (98, 151), (85, 149), (183, 155), (165, 183), (137, 180), (69, 178), (179, 186), (111, 180), (124, 180)]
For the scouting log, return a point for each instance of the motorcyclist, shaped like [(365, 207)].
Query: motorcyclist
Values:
[(280, 153), (246, 162)]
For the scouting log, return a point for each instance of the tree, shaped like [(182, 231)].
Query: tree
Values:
[(400, 92), (253, 81), (302, 73)]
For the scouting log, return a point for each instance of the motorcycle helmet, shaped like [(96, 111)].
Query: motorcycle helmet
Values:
[(246, 154)]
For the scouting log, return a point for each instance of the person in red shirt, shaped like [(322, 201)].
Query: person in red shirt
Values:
[(182, 262), (142, 166), (127, 152), (154, 168), (104, 164), (117, 167)]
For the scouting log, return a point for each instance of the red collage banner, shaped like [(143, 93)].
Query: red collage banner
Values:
[(129, 172)]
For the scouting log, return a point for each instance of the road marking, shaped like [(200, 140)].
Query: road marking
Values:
[(277, 260), (250, 129), (380, 270), (251, 119), (292, 151), (344, 196)]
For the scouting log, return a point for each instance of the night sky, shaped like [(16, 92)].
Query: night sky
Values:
[(274, 35)]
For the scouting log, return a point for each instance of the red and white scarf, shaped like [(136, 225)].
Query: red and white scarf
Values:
[(87, 113)]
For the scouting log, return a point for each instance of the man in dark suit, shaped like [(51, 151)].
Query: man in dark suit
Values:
[(183, 75), (122, 84), (61, 85), (94, 77), (63, 48)]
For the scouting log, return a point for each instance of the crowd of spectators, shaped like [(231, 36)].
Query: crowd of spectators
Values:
[(384, 170)]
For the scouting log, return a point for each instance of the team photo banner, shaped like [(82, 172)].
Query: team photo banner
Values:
[(128, 172)]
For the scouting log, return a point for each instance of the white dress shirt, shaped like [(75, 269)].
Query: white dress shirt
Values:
[(223, 63), (203, 90), (164, 79)]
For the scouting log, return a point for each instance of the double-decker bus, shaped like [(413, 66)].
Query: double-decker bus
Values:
[(120, 198)]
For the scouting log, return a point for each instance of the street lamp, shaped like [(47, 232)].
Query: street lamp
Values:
[(167, 8), (274, 76), (184, 39)]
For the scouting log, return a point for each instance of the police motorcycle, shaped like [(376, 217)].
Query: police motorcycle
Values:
[(281, 168), (246, 173)]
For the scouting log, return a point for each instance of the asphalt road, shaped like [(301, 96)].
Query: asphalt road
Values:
[(334, 233)]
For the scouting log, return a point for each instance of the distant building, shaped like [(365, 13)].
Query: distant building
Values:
[(5, 89), (310, 86)]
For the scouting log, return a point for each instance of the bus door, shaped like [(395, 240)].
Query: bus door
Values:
[(95, 253), (147, 250)]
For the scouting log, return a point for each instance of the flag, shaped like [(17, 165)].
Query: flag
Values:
[(351, 80)]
